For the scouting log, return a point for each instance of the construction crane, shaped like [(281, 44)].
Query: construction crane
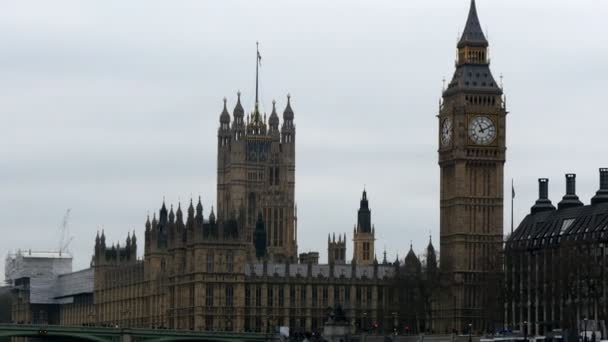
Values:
[(64, 232)]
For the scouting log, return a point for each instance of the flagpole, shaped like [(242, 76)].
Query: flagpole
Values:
[(257, 61), (512, 197)]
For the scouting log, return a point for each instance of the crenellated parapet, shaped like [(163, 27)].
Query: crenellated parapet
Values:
[(114, 254)]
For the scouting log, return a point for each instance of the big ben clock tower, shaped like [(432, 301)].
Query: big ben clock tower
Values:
[(471, 157)]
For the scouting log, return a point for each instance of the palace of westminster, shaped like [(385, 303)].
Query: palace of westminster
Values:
[(238, 268)]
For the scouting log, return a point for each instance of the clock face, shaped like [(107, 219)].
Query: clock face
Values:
[(446, 132), (482, 130)]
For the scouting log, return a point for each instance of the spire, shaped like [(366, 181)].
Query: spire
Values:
[(273, 121), (171, 215), (239, 112), (288, 112), (199, 207), (473, 34), (178, 213), (212, 216), (190, 209), (364, 215), (148, 223), (225, 116)]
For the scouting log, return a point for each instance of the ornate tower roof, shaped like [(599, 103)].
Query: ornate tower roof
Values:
[(225, 116), (239, 112), (473, 34), (288, 112), (472, 72), (273, 121), (364, 219)]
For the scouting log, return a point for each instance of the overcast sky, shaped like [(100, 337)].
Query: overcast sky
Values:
[(107, 106)]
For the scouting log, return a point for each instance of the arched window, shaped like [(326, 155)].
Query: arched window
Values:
[(251, 208)]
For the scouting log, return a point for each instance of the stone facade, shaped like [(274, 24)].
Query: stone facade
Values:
[(472, 150), (256, 174), (198, 275)]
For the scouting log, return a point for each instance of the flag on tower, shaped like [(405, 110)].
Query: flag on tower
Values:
[(512, 190), (259, 57)]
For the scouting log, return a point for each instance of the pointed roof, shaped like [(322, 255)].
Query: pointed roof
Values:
[(238, 109), (273, 121), (473, 34), (288, 112), (225, 116)]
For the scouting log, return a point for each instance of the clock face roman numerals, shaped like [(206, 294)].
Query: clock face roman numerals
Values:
[(446, 132), (482, 130)]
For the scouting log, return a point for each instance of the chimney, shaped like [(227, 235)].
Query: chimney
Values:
[(601, 196), (543, 203), (570, 199)]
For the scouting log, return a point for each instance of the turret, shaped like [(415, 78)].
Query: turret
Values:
[(147, 234), (180, 228), (288, 131), (198, 219), (431, 259), (190, 223), (364, 215), (223, 133), (133, 247), (273, 122)]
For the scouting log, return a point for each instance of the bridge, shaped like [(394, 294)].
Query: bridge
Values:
[(102, 334)]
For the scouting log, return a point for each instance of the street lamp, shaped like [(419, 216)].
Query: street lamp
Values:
[(364, 321), (585, 333), (395, 323), (525, 331), (470, 332)]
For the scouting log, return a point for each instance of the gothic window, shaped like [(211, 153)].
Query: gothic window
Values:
[(229, 295), (358, 295), (230, 261), (163, 265), (258, 296), (281, 227), (275, 224), (369, 295), (247, 296), (276, 175), (336, 295), (347, 295), (209, 262), (325, 296), (314, 295), (209, 295), (292, 295), (366, 251), (270, 296), (303, 295), (208, 322), (270, 176), (281, 297), (252, 206)]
